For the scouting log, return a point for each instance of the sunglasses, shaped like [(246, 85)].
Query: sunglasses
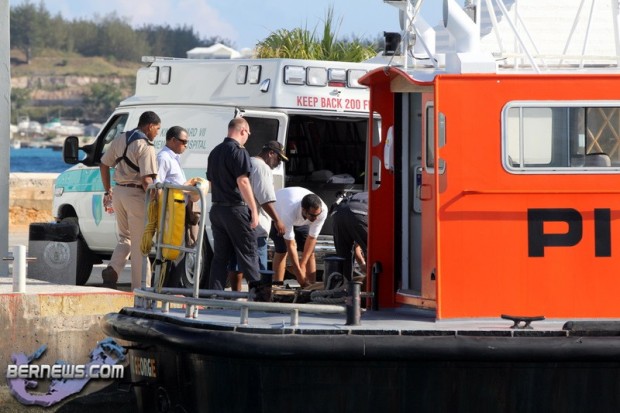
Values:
[(313, 215), (183, 141)]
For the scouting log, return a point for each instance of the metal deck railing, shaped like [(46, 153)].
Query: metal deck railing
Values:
[(150, 300)]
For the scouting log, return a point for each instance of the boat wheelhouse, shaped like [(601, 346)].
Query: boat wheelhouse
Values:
[(495, 175)]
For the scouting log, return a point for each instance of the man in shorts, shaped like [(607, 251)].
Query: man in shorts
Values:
[(303, 214)]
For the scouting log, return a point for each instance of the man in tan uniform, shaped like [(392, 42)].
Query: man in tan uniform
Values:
[(133, 156)]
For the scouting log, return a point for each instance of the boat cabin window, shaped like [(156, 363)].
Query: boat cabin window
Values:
[(561, 137), (430, 138)]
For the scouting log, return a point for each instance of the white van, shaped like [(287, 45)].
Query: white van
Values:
[(316, 109)]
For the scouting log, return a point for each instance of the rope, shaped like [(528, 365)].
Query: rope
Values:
[(151, 227), (162, 276), (333, 296)]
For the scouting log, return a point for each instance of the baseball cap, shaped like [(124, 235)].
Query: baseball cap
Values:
[(277, 148)]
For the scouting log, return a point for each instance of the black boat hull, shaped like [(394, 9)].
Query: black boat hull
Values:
[(181, 368)]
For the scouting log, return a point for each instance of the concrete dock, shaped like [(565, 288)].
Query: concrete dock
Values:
[(65, 318)]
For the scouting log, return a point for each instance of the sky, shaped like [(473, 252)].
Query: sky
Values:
[(244, 22)]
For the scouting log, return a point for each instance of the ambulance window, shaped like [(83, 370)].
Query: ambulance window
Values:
[(115, 127), (263, 131), (560, 137)]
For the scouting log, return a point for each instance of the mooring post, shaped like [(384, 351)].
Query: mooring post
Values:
[(19, 269), (354, 303)]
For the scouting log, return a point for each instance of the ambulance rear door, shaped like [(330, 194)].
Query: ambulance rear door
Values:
[(266, 126)]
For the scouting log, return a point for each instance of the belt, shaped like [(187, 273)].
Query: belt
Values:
[(131, 185), (229, 204)]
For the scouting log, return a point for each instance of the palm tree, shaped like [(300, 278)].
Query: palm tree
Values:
[(302, 44)]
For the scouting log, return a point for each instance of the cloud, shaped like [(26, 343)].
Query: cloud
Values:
[(196, 13)]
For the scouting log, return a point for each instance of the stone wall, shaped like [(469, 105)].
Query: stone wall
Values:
[(32, 190)]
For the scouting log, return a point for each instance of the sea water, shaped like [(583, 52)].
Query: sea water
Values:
[(37, 160)]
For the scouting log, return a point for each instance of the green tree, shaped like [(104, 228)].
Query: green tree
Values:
[(58, 34), (84, 36), (28, 26), (19, 99), (118, 39), (302, 44), (101, 100)]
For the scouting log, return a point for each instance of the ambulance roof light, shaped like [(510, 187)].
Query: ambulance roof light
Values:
[(242, 74), (294, 75), (316, 76), (353, 76), (153, 75), (164, 75), (337, 77), (254, 75)]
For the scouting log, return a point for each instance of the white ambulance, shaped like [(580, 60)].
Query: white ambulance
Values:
[(316, 109)]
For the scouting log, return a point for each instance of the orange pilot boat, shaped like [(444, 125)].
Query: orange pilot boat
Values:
[(493, 271)]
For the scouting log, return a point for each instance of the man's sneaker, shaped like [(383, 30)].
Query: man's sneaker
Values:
[(110, 277)]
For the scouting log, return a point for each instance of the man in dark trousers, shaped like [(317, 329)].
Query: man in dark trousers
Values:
[(233, 212), (350, 225)]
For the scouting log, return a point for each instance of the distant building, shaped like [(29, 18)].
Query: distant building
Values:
[(218, 51)]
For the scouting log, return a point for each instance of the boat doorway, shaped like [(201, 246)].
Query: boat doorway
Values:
[(408, 142)]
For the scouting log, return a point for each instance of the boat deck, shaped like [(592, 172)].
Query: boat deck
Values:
[(392, 321), (293, 318)]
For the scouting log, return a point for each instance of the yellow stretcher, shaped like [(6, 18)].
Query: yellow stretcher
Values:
[(167, 211), (174, 224)]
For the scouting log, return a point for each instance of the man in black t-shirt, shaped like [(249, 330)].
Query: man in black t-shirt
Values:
[(233, 212)]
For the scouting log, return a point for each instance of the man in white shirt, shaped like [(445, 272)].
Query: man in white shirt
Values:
[(303, 215), (168, 159), (170, 171)]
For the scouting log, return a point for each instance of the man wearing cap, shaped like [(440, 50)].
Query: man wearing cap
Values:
[(261, 178)]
